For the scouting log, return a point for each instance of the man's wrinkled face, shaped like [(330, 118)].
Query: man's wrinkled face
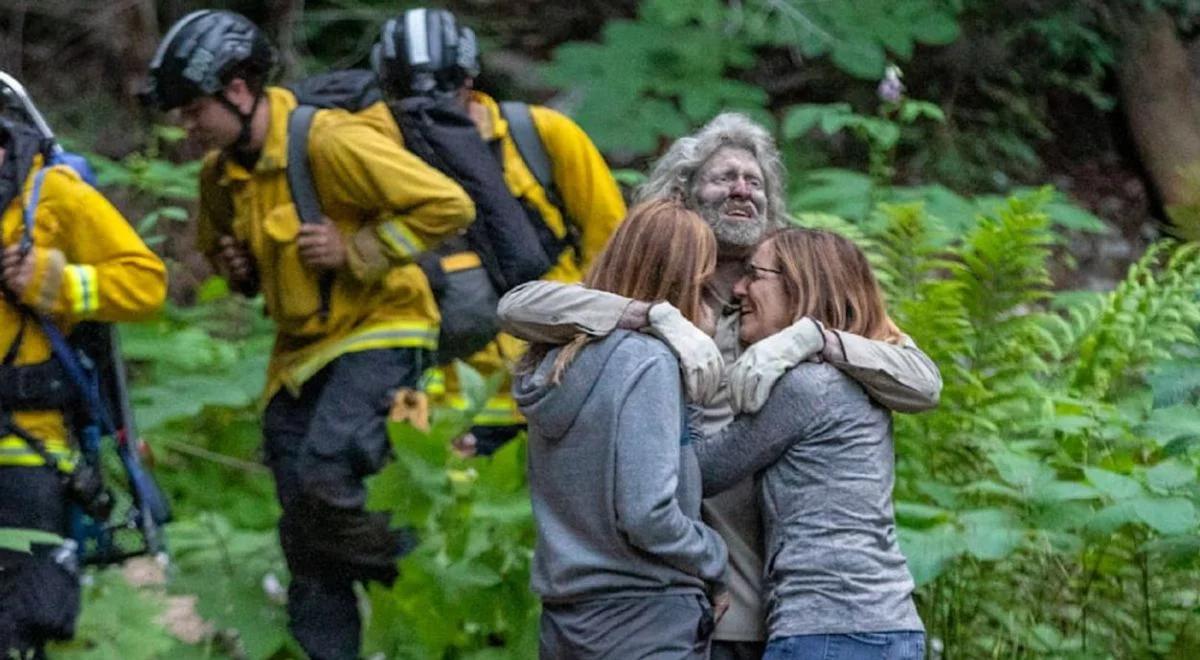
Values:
[(730, 194)]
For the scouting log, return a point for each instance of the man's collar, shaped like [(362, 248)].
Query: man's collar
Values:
[(280, 103), (493, 126)]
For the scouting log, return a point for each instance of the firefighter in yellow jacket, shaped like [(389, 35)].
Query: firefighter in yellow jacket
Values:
[(337, 360), (584, 202), (83, 262)]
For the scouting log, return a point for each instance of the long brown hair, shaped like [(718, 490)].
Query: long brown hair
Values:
[(827, 277), (662, 252)]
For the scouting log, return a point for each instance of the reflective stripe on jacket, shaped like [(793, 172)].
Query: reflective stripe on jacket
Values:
[(388, 205), (89, 264)]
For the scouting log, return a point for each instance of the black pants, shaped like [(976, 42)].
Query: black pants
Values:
[(320, 447), (39, 598), (489, 439)]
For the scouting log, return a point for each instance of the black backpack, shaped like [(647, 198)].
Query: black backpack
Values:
[(505, 246)]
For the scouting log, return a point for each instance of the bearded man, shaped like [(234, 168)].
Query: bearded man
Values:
[(730, 172)]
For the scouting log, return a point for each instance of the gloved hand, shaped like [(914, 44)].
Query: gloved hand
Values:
[(31, 275), (699, 359), (755, 372)]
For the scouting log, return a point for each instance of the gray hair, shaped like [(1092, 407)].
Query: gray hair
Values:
[(674, 175)]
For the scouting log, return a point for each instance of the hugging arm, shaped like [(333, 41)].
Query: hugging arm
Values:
[(900, 377), (754, 441), (554, 313)]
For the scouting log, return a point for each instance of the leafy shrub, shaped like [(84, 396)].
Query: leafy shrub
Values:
[(464, 592), (1048, 506)]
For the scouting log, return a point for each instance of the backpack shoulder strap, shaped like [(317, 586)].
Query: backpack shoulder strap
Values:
[(304, 188), (529, 145), (299, 170), (27, 213)]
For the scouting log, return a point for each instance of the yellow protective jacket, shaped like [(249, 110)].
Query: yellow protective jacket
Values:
[(89, 265), (388, 205), (591, 200)]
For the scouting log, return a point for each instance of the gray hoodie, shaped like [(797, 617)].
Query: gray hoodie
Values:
[(613, 477)]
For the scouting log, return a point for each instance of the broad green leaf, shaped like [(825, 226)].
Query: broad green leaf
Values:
[(911, 110), (1112, 517), (21, 539), (914, 515), (1113, 485), (935, 27), (1172, 423), (800, 119), (1181, 551), (1024, 472), (1062, 491), (1170, 475), (990, 534), (860, 59), (1062, 516), (1166, 515), (930, 551)]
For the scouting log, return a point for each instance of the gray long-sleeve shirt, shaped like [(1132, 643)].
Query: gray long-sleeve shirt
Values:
[(901, 378), (824, 454), (614, 484)]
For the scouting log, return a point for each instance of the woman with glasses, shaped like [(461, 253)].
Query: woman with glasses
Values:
[(836, 584)]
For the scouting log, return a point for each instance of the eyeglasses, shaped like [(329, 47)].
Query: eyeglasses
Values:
[(754, 272)]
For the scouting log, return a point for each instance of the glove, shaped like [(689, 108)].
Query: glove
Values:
[(699, 359), (755, 372), (34, 277)]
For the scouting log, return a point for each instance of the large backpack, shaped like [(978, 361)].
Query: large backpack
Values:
[(88, 367), (505, 246)]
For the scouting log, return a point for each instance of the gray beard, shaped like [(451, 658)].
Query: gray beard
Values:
[(734, 233)]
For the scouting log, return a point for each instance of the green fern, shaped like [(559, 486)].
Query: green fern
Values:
[(1043, 394)]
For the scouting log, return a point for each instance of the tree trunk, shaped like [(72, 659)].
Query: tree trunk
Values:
[(12, 39), (1162, 104), (283, 16), (135, 39)]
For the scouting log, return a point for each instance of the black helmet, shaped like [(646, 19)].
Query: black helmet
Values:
[(198, 53), (424, 52)]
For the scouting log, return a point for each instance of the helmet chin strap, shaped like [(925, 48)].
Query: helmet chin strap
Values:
[(240, 149)]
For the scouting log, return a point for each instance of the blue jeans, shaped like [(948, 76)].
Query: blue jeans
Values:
[(901, 645)]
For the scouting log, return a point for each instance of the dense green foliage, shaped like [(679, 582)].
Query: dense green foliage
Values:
[(1048, 507), (998, 70), (674, 66), (464, 592)]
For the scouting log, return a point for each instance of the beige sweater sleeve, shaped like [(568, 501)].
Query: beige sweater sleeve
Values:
[(900, 377), (554, 313)]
